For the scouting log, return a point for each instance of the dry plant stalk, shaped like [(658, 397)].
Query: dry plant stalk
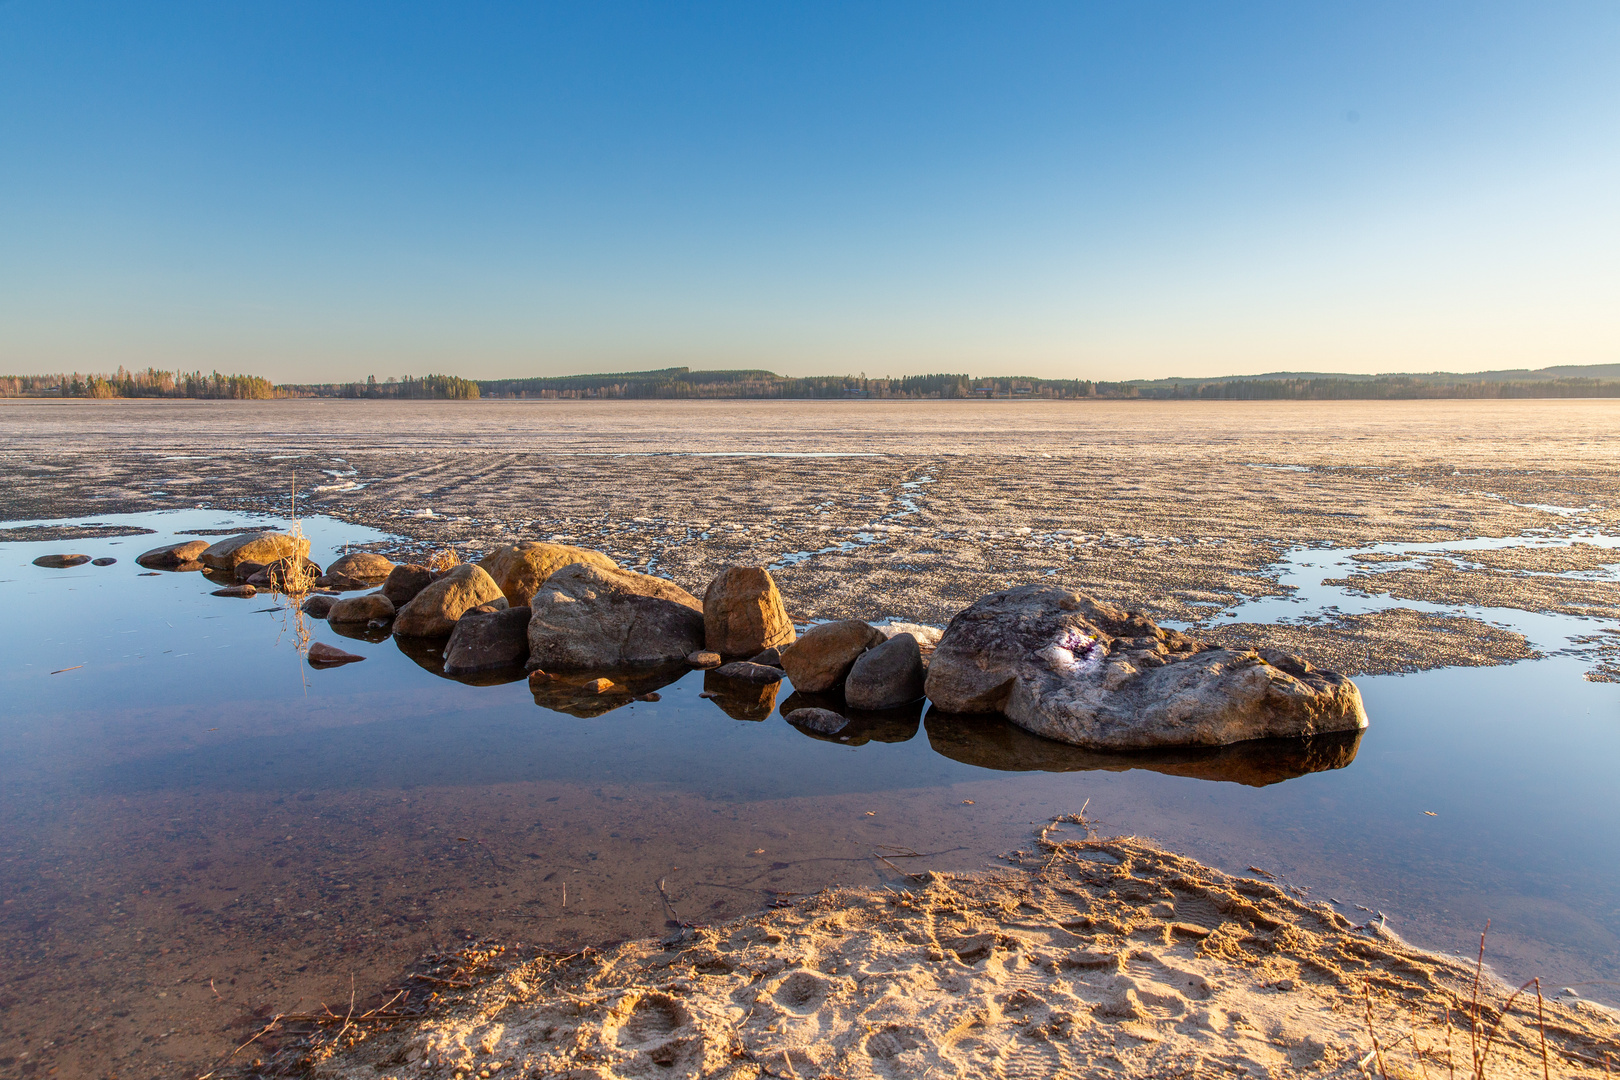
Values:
[(443, 559)]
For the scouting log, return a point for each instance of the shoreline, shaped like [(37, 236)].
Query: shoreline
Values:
[(1086, 953)]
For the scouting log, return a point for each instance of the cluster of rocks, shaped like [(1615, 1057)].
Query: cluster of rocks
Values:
[(592, 635)]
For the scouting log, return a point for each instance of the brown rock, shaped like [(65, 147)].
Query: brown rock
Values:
[(771, 656), (240, 592), (748, 671), (703, 658), (588, 617), (360, 609), (360, 568), (171, 556), (599, 686), (284, 575), (743, 613), (404, 581), (61, 562), (433, 612), (103, 561), (324, 655), (259, 547), (520, 569), (823, 656), (1081, 671), (741, 699)]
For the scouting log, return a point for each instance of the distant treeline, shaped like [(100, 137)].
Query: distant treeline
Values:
[(445, 387), (150, 383), (1598, 380)]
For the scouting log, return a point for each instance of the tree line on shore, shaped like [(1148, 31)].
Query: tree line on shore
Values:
[(685, 383)]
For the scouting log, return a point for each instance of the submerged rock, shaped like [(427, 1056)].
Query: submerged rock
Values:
[(105, 560), (587, 616), (173, 556), (61, 562), (259, 547), (488, 641), (404, 581), (520, 569), (361, 609), (823, 656), (749, 671), (239, 592), (324, 655), (822, 721), (1085, 672), (433, 612), (886, 675), (743, 613)]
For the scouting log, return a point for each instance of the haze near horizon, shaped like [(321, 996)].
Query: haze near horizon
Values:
[(515, 190)]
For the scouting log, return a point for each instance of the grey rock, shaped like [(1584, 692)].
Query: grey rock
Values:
[(324, 655), (318, 605), (824, 721), (487, 641), (588, 616), (749, 671), (1085, 672), (771, 656), (887, 675), (103, 561)]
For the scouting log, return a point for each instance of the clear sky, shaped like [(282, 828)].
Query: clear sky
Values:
[(1100, 190)]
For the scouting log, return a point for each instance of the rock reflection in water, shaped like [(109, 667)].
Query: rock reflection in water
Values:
[(888, 726), (742, 699), (365, 631), (429, 654), (991, 742), (575, 692)]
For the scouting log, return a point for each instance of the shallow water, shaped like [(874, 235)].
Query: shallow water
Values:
[(195, 825)]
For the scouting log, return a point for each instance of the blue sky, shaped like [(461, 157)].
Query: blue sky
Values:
[(1104, 190)]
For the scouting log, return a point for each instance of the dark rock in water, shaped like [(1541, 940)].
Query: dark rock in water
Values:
[(358, 609), (318, 605), (240, 592), (887, 675), (520, 569), (243, 571), (324, 655), (404, 581), (748, 671), (488, 641), (284, 575), (888, 726), (822, 657), (150, 573), (988, 741), (172, 556), (61, 562), (741, 699), (1085, 672), (103, 561), (653, 696), (705, 659), (260, 547), (588, 617), (824, 721), (433, 612), (771, 657), (575, 693), (743, 613)]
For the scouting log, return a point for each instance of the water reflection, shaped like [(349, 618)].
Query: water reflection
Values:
[(741, 699), (991, 742), (889, 726), (580, 693)]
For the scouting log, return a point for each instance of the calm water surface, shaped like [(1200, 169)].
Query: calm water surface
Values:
[(197, 828)]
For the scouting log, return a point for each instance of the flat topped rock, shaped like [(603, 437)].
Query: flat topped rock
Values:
[(520, 569), (587, 616), (1085, 672), (170, 556), (61, 562), (259, 547)]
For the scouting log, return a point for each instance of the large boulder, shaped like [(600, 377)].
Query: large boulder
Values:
[(1085, 672), (357, 570), (823, 656), (170, 556), (488, 642), (743, 613), (520, 569), (434, 611), (259, 547), (886, 676), (365, 608), (404, 581), (588, 616)]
